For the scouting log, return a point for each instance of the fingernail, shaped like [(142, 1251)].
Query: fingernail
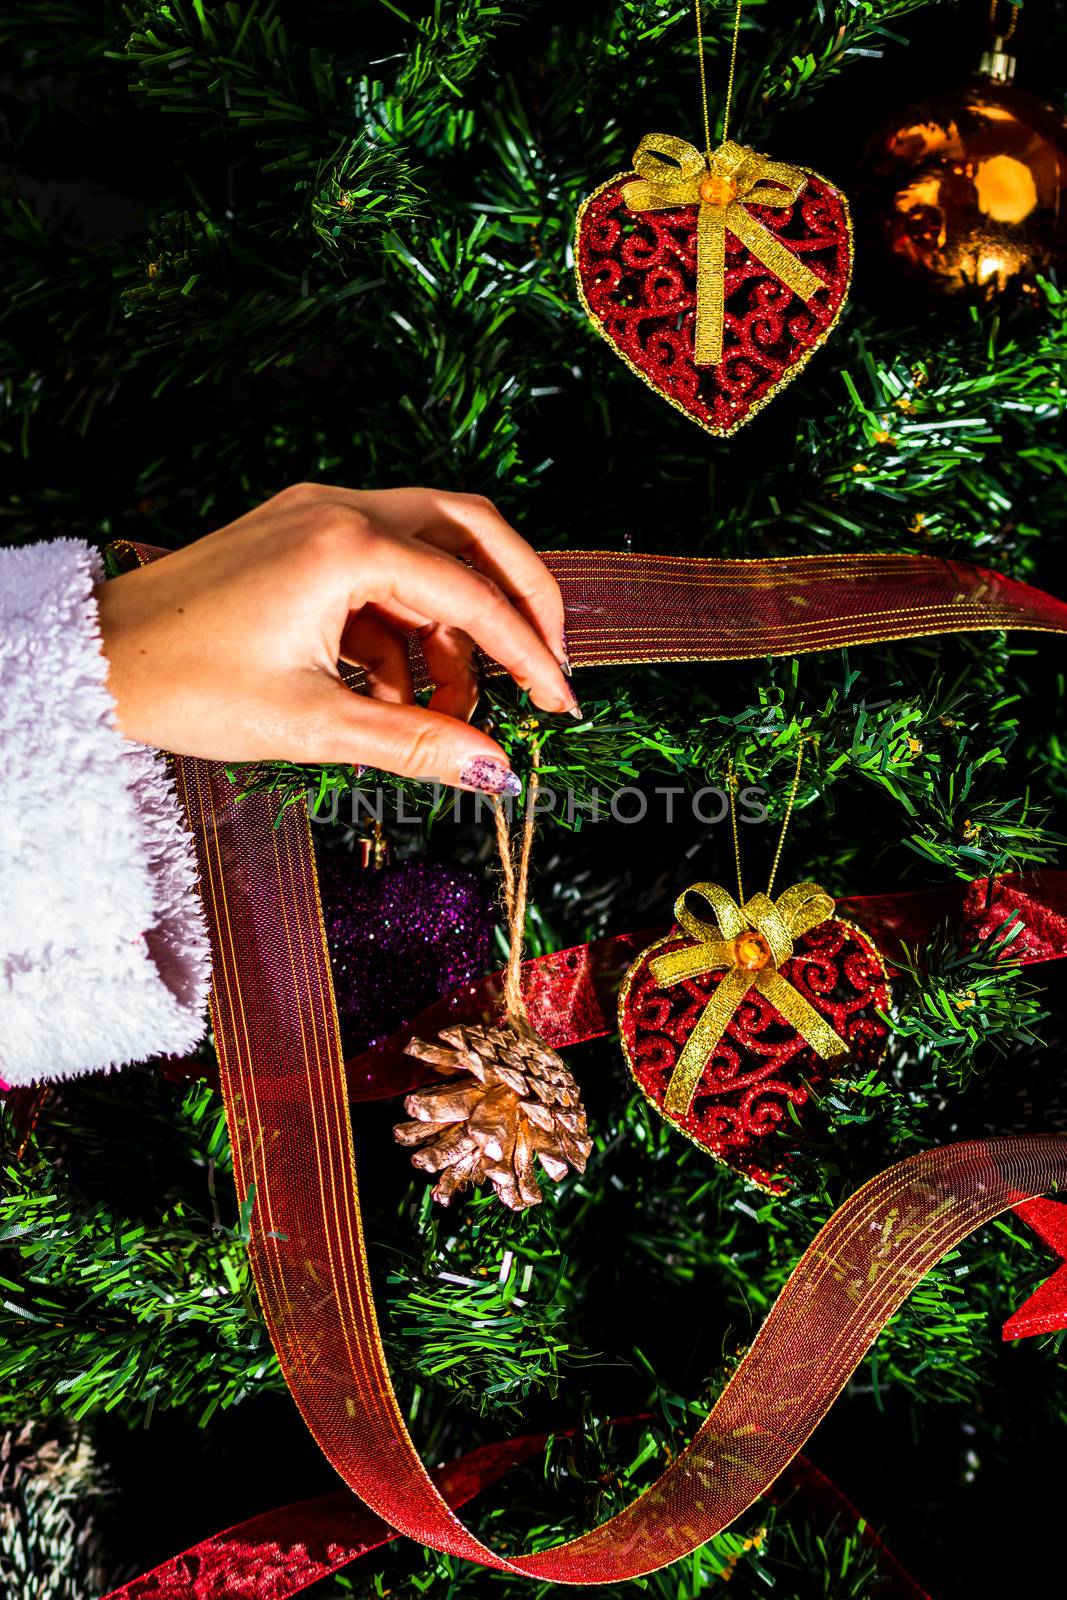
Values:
[(492, 777), (575, 711), (565, 666)]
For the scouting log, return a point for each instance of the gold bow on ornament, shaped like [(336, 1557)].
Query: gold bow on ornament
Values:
[(722, 185), (752, 942)]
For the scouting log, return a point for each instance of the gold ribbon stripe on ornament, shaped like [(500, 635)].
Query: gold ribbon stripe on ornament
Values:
[(752, 943), (722, 186)]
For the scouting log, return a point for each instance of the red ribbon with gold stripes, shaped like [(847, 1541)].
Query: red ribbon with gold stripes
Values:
[(276, 1554), (626, 609), (283, 1080)]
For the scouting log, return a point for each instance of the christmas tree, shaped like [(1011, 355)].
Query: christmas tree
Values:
[(255, 244)]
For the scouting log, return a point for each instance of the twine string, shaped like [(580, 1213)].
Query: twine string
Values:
[(515, 868)]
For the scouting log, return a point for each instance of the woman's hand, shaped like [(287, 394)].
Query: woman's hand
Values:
[(228, 649)]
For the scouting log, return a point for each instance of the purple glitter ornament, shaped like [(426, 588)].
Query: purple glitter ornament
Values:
[(400, 937)]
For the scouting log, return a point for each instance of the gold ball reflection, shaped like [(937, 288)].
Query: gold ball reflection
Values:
[(968, 191)]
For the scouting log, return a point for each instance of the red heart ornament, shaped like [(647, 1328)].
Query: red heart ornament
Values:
[(642, 271), (761, 1065)]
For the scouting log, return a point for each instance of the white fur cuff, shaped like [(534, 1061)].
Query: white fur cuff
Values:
[(103, 953)]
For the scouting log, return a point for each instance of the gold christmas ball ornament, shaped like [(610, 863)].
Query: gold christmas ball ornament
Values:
[(967, 190)]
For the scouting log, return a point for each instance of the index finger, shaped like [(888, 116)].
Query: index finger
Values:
[(471, 528), (438, 586)]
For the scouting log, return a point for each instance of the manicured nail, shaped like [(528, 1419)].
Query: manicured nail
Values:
[(575, 711), (565, 666), (492, 777)]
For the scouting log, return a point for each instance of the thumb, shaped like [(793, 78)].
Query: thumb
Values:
[(404, 739)]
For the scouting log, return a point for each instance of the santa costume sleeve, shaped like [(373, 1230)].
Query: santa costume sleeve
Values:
[(103, 950)]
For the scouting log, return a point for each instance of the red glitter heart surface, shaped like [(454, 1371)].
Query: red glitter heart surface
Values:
[(761, 1066), (637, 282)]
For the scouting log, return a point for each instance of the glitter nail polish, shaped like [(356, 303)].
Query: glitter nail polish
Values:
[(492, 777)]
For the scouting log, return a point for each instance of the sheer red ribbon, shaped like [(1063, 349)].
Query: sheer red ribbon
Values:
[(284, 1084), (625, 608), (273, 1556), (283, 1081)]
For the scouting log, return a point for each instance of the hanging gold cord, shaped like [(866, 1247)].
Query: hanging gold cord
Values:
[(731, 784), (993, 8), (704, 78), (794, 789)]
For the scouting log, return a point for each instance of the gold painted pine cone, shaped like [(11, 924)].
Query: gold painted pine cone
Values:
[(518, 1101)]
